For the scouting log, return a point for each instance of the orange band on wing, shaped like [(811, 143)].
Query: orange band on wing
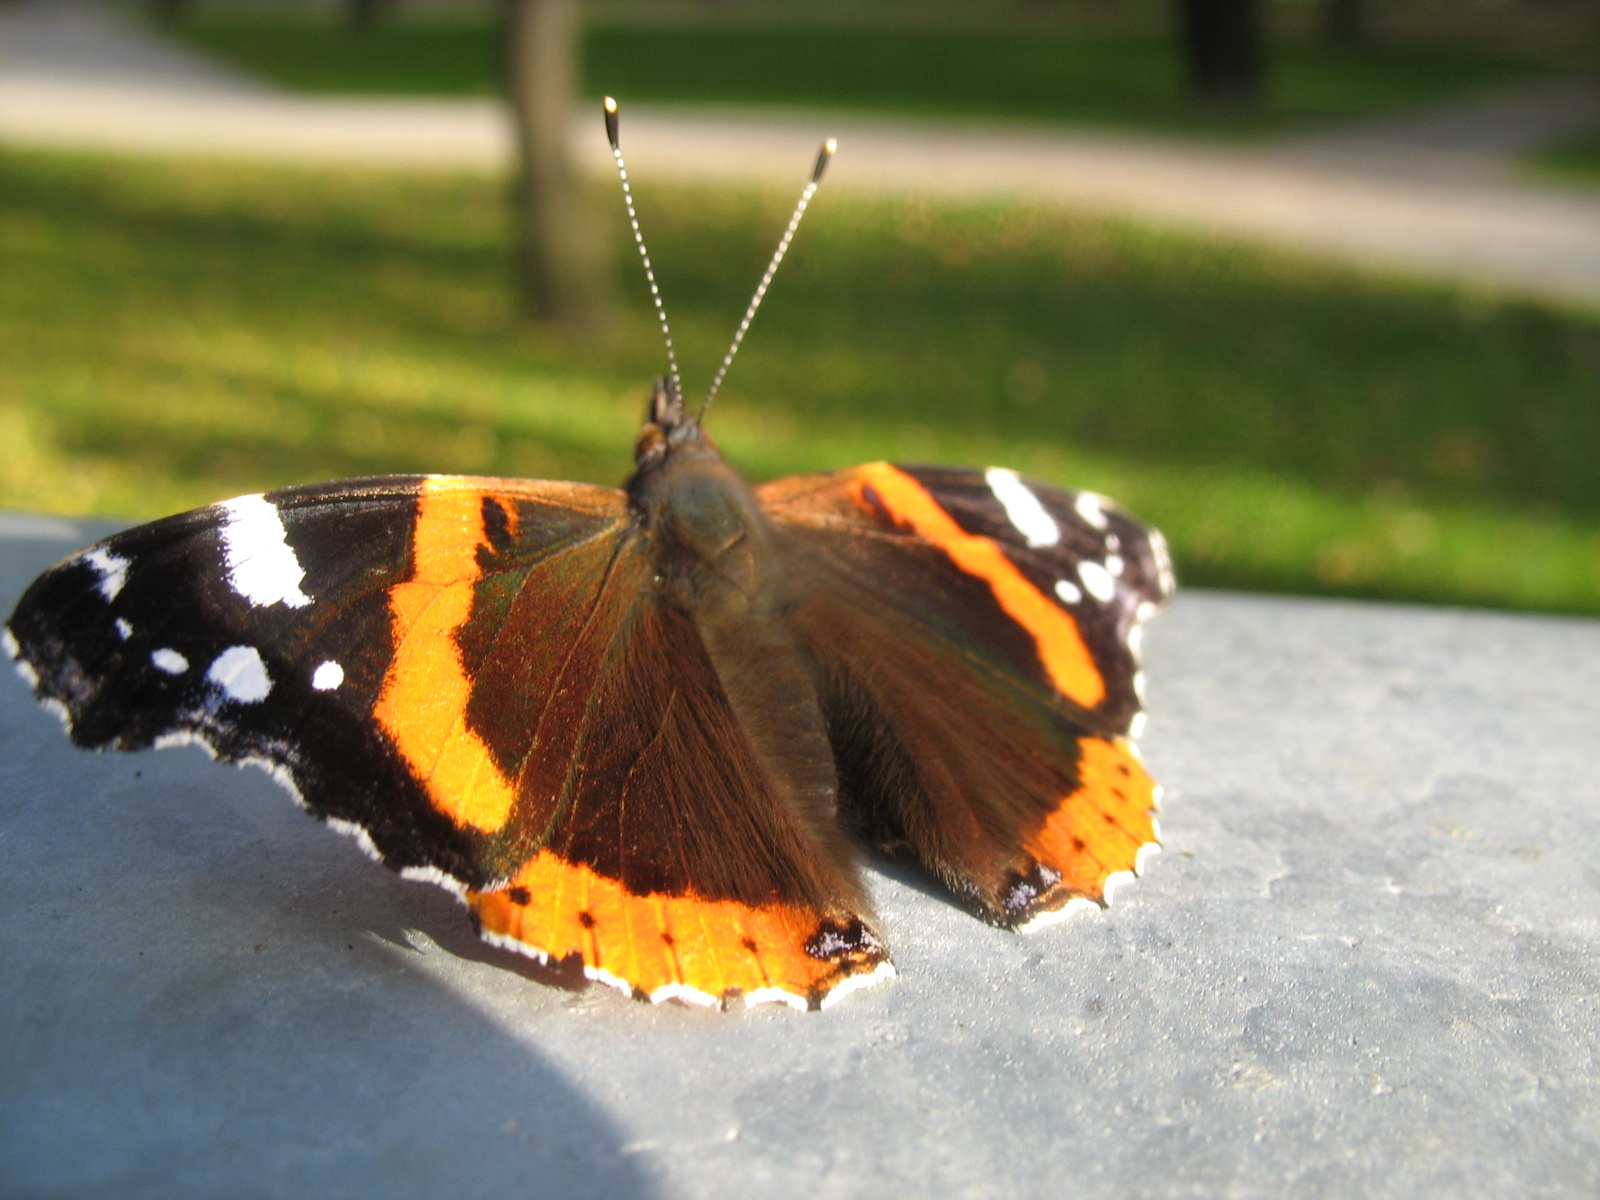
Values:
[(423, 702), (680, 947), (1100, 828), (1061, 648)]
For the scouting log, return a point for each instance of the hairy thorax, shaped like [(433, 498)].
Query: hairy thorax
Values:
[(710, 543)]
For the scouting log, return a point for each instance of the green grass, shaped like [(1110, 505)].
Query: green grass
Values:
[(1100, 78), (1577, 160), (175, 333)]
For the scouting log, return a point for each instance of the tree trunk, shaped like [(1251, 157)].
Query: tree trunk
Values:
[(1344, 23), (363, 15), (1222, 50), (170, 12), (560, 251)]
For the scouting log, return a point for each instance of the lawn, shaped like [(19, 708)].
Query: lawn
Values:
[(1577, 160), (177, 332), (1098, 77)]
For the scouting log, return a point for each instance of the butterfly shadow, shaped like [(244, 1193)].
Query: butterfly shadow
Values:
[(264, 950), (208, 983), (443, 924), (909, 874)]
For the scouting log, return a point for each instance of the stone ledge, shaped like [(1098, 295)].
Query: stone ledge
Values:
[(1366, 963)]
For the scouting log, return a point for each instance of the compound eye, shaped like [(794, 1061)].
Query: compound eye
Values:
[(650, 445)]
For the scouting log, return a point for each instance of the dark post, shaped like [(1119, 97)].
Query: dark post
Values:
[(1343, 22), (1222, 50), (560, 253), (170, 12), (362, 15)]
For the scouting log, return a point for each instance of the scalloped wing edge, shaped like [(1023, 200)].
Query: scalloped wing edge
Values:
[(283, 775)]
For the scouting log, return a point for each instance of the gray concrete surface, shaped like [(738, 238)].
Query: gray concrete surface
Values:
[(1367, 964), (1434, 193)]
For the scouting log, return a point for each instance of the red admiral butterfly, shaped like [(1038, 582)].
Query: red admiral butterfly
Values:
[(644, 728)]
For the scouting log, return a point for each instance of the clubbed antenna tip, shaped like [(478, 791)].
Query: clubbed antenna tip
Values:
[(612, 131), (614, 136), (824, 156)]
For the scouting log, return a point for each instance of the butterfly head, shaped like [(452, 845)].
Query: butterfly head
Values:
[(702, 517), (669, 429)]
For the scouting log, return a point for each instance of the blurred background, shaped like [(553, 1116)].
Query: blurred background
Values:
[(1313, 285)]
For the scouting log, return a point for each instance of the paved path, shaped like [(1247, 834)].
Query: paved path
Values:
[(1433, 193)]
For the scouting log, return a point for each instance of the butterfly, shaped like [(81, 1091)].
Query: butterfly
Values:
[(648, 729)]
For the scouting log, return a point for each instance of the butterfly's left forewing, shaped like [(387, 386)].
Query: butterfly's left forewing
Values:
[(268, 628)]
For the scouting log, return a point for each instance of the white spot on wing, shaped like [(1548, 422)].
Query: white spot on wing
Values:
[(1136, 726), (112, 569), (261, 566), (241, 674), (1023, 509), (1068, 591), (124, 630), (169, 660), (1114, 564), (1097, 580), (327, 676), (1088, 506)]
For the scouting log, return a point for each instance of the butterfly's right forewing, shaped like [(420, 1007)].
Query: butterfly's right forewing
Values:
[(975, 635)]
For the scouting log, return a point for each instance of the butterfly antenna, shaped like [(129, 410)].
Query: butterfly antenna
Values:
[(638, 237), (823, 157)]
